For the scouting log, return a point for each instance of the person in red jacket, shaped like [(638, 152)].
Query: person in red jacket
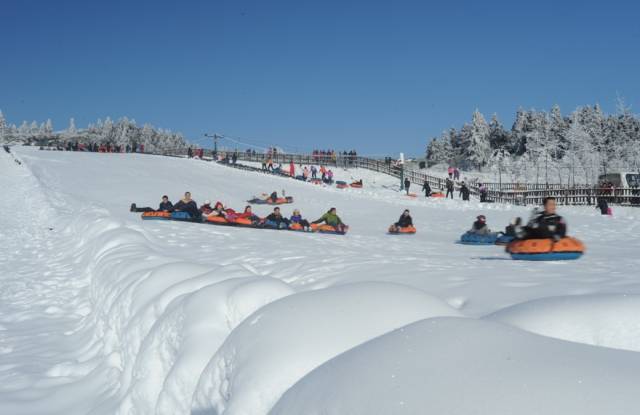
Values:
[(292, 169)]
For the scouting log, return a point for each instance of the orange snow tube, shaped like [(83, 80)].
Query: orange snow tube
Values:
[(405, 230), (295, 227), (356, 185), (439, 194), (217, 220), (242, 222), (156, 215), (546, 249), (324, 228)]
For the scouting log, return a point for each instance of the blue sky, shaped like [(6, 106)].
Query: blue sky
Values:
[(381, 77)]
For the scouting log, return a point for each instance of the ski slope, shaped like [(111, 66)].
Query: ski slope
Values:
[(103, 313)]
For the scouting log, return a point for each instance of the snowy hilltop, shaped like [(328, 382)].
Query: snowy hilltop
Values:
[(544, 145), (123, 132), (104, 313)]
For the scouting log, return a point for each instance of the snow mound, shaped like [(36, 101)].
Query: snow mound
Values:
[(466, 366), (286, 339), (599, 320)]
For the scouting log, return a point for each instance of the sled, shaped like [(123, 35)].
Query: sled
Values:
[(356, 185), (412, 195), (408, 230), (328, 229), (269, 201), (439, 194), (470, 238), (156, 215), (566, 248), (341, 185)]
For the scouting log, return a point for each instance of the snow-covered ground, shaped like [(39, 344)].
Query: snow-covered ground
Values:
[(103, 313)]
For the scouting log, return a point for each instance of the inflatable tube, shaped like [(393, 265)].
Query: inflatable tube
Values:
[(546, 249), (316, 181), (504, 239), (356, 185), (470, 238), (409, 230), (183, 216), (156, 216), (341, 185), (437, 194), (217, 220), (279, 201), (412, 195), (328, 229)]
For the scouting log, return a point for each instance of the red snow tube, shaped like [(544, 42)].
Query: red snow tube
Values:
[(342, 186), (242, 222), (217, 220), (412, 195), (356, 185), (156, 215), (405, 230), (437, 194)]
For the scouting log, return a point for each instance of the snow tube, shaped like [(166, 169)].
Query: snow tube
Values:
[(273, 225), (217, 220), (316, 181), (328, 229), (356, 185), (341, 185), (437, 194), (156, 216), (180, 216), (545, 249), (279, 201), (412, 195), (504, 239), (470, 238), (409, 230)]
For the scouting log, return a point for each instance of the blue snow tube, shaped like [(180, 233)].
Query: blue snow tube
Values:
[(470, 238), (273, 225), (180, 216), (549, 256), (504, 239)]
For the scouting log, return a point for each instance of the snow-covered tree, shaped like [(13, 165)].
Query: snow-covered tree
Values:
[(475, 142)]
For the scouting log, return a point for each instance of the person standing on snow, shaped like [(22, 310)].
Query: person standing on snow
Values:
[(464, 192), (407, 184), (426, 189), (449, 184)]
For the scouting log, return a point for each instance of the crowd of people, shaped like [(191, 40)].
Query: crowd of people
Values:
[(275, 219)]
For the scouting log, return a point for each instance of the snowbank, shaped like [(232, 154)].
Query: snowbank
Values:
[(464, 366), (598, 320), (284, 340)]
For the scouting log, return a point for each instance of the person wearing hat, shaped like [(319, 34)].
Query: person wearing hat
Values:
[(464, 192), (480, 227), (206, 208)]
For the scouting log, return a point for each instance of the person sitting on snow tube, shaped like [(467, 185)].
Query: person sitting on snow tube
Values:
[(480, 227), (248, 214), (405, 221), (276, 220), (546, 224), (188, 205), (165, 206), (513, 227), (206, 209), (296, 218), (219, 210), (331, 218)]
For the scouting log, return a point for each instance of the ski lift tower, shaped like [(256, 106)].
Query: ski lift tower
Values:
[(215, 143)]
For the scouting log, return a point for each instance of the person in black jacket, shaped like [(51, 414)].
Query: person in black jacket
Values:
[(186, 204), (405, 221), (276, 220), (426, 189), (449, 184), (546, 224), (165, 206), (407, 184), (603, 206), (464, 192), (480, 227)]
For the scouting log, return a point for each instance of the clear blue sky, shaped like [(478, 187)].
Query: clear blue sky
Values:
[(381, 77)]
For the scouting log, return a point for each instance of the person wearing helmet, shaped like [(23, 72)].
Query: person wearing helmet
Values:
[(480, 227)]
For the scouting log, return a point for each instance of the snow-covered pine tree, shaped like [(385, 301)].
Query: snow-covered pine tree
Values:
[(475, 142)]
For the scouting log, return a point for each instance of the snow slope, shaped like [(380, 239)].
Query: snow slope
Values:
[(103, 313)]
